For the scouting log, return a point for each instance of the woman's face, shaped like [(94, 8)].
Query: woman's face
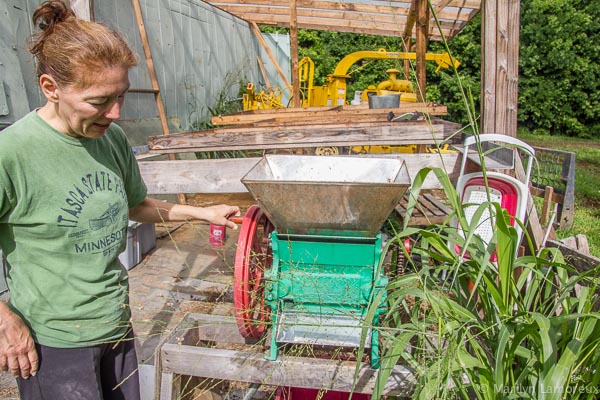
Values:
[(89, 111)]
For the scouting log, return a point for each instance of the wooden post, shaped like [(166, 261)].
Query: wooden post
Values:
[(408, 48), (263, 71), (155, 87), (294, 53), (407, 37), (422, 36), (265, 46), (547, 206), (500, 60)]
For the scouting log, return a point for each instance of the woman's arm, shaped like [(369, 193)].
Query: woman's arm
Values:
[(153, 210)]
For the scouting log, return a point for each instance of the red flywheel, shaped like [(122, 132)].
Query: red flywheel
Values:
[(252, 258)]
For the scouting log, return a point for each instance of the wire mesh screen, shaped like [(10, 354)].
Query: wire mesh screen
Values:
[(551, 169)]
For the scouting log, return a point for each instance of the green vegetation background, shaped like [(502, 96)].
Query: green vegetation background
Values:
[(559, 77)]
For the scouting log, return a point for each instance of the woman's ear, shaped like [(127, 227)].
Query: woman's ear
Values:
[(49, 87)]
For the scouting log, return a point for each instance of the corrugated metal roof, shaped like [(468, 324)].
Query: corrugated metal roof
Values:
[(375, 17)]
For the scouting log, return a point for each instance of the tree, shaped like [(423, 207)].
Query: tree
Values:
[(559, 78)]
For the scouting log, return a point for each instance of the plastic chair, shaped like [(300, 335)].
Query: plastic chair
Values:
[(509, 192)]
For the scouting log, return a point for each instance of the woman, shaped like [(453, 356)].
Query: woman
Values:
[(68, 186)]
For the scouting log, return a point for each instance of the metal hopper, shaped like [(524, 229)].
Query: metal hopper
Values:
[(332, 196)]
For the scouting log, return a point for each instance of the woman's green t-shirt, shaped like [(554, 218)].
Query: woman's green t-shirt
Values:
[(63, 222)]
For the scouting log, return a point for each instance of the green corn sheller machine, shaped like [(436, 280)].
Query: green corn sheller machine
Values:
[(309, 256)]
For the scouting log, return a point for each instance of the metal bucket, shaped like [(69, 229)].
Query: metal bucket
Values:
[(384, 101)]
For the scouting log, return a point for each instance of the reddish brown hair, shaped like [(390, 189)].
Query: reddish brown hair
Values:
[(73, 51)]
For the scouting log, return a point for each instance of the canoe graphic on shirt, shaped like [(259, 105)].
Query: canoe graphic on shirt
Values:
[(108, 217)]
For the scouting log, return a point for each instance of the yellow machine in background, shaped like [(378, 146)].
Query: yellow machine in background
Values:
[(266, 99), (333, 93)]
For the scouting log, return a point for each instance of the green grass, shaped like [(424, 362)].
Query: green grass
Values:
[(587, 189)]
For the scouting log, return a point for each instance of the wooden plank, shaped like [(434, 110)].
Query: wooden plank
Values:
[(319, 113), (361, 12), (245, 366), (501, 66), (196, 176), (575, 258), (331, 118), (441, 206), (547, 206), (266, 48), (582, 244), (334, 118), (567, 207), (556, 197), (293, 13), (428, 210), (512, 73), (371, 7), (153, 78), (195, 328), (422, 30), (298, 136), (409, 26), (263, 71), (223, 175), (362, 26), (488, 67)]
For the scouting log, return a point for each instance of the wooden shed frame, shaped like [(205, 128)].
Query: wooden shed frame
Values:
[(410, 19)]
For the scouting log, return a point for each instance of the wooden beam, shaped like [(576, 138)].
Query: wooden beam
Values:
[(512, 72), (555, 197), (408, 27), (500, 58), (577, 259), (371, 30), (196, 176), (265, 46), (153, 79), (349, 119), (422, 24), (383, 8), (246, 366), (439, 7), (501, 66), (294, 53), (313, 115), (263, 71), (342, 16), (419, 132), (335, 24), (223, 175), (488, 67)]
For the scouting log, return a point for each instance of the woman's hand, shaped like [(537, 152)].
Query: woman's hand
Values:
[(17, 349), (219, 215)]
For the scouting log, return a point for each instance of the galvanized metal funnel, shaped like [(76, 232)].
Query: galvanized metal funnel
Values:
[(327, 195)]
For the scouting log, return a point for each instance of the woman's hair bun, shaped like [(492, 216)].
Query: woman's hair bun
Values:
[(50, 13)]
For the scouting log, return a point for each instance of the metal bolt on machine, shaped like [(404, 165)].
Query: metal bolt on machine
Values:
[(309, 256)]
